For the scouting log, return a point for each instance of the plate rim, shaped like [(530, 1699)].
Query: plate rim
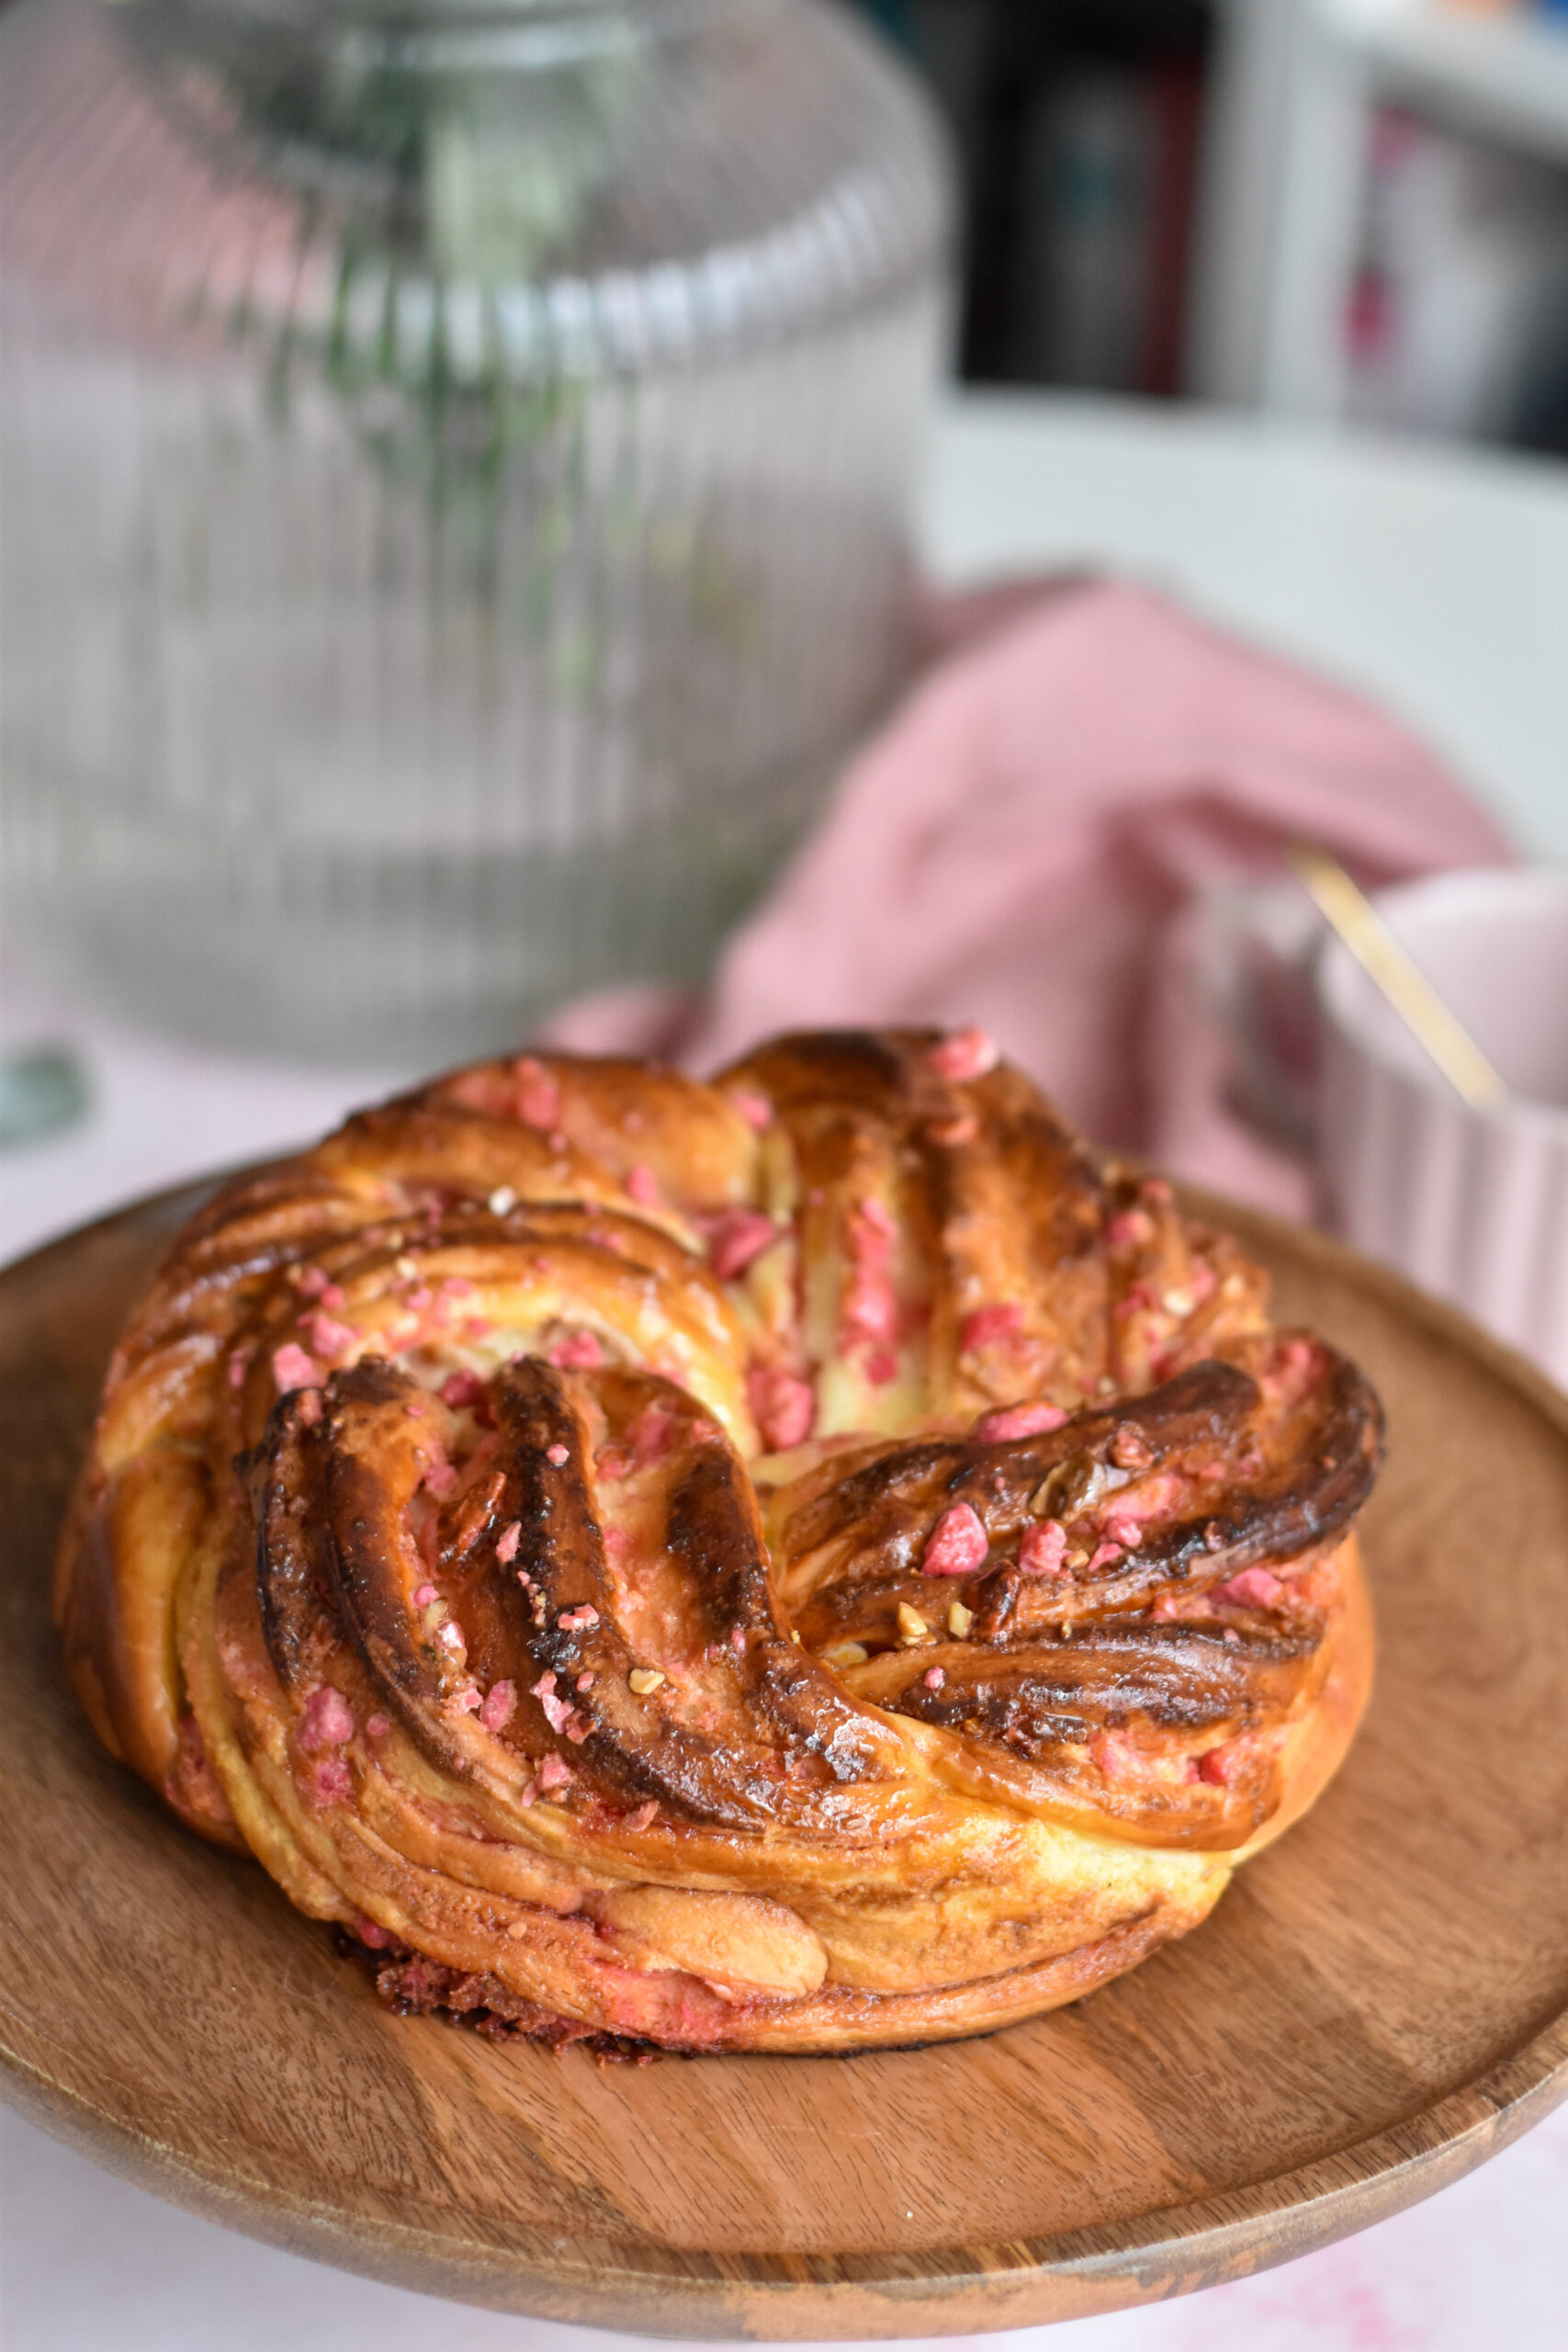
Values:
[(839, 2297), (856, 2297)]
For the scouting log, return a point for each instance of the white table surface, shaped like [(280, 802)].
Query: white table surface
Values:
[(1439, 581)]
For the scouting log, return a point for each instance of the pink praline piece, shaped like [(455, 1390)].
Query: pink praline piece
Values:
[(500, 1701), (327, 1720), (1019, 1420), (1043, 1549), (965, 1053), (783, 1406), (737, 1239), (292, 1368), (957, 1544)]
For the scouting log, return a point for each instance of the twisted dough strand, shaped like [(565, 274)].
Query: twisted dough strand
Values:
[(813, 1560)]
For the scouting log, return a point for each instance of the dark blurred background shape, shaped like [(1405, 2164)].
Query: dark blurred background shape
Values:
[(1351, 209), (1078, 125)]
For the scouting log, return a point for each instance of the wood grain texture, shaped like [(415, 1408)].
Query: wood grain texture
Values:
[(1378, 2003)]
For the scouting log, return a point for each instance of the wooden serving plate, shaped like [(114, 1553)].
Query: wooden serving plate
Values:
[(1379, 2002)]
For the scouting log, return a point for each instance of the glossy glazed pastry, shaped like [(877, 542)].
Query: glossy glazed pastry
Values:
[(804, 1562)]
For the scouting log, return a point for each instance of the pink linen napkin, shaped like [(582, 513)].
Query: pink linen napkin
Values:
[(1039, 840)]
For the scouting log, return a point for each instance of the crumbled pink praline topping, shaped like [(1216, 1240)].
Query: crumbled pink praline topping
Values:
[(1129, 1449), (316, 1284), (738, 1238), (558, 1712), (1115, 1754), (642, 1816), (652, 1434), (581, 1352), (1017, 1420), (467, 1702), (292, 1368), (755, 1109), (934, 1678), (311, 1407), (783, 1406), (506, 1542), (1122, 1529), (1043, 1549), (329, 1337), (558, 1454), (643, 1185), (555, 1772), (424, 1595), (957, 1544), (576, 1620), (500, 1701), (987, 1325), (1140, 1300), (237, 1370), (332, 1782), (611, 1463), (327, 1720), (1104, 1556), (377, 1726), (1130, 1230), (370, 1933), (441, 1478), (1253, 1588), (869, 1312), (461, 1388), (1219, 1766), (538, 1095), (965, 1053)]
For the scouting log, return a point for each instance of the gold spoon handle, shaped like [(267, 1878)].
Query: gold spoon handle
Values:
[(1381, 957)]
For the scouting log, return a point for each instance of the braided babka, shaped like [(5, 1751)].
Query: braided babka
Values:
[(812, 1560)]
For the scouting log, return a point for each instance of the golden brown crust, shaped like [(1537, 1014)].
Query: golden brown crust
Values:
[(813, 1561)]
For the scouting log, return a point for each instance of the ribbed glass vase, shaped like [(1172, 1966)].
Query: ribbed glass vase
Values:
[(458, 462)]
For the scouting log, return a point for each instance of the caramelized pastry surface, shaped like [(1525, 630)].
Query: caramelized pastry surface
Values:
[(813, 1560)]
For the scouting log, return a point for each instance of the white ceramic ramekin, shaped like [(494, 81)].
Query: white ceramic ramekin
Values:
[(1472, 1204)]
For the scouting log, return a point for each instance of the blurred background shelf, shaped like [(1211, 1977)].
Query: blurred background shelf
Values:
[(1384, 222), (1497, 72), (1321, 208)]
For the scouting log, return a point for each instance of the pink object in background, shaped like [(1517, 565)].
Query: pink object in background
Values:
[(1031, 844), (1470, 1204)]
